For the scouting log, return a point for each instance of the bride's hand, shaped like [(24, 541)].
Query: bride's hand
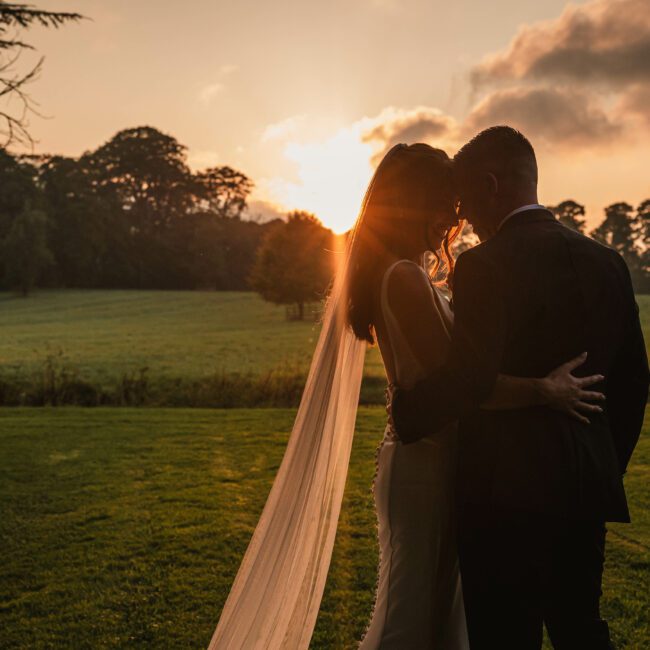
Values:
[(567, 393)]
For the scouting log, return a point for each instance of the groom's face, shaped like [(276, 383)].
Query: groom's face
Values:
[(471, 205), (477, 196)]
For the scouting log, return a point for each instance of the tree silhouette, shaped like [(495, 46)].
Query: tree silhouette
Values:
[(88, 236), (570, 214), (294, 263), (223, 191), (145, 174), (643, 224), (643, 244), (17, 186), (25, 250), (12, 84), (620, 230), (146, 170)]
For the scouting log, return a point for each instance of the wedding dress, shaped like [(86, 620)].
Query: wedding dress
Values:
[(275, 597), (419, 604)]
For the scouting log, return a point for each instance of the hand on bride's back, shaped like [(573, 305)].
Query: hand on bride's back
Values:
[(565, 392)]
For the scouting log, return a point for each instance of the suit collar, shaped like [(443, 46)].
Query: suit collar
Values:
[(532, 215)]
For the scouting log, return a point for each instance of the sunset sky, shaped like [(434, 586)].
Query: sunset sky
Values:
[(303, 96)]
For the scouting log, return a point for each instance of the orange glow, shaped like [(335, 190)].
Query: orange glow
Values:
[(332, 178)]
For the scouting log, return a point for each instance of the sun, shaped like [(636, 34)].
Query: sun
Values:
[(332, 178)]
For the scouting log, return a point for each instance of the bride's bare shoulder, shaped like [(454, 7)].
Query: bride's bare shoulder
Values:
[(409, 292), (410, 298), (407, 276)]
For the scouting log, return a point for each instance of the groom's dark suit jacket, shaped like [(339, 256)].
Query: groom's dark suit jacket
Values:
[(530, 298)]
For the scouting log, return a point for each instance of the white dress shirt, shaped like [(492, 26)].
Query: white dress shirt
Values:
[(532, 206)]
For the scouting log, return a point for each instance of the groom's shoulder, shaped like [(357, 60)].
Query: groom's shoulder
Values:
[(480, 259), (482, 252), (593, 246)]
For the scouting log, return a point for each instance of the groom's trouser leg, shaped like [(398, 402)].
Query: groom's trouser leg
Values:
[(572, 611), (502, 561)]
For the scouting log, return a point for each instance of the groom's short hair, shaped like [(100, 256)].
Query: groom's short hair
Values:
[(499, 149)]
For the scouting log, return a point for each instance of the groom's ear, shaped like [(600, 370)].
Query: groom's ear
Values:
[(491, 184)]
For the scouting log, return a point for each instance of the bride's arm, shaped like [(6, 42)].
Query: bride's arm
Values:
[(560, 390), (412, 304), (410, 300)]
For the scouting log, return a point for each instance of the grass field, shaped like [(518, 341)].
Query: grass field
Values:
[(173, 333), (123, 528)]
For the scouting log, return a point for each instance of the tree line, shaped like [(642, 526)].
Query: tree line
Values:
[(625, 228), (131, 214)]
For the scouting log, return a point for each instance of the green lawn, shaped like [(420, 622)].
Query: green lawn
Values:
[(173, 333), (123, 528)]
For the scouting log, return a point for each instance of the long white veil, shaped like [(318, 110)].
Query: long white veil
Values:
[(274, 600)]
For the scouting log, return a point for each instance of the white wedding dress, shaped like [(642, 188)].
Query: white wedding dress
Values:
[(419, 602), (275, 598)]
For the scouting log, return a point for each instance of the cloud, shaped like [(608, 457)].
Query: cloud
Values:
[(577, 80), (227, 69), (602, 41), (636, 102), (419, 124), (282, 129), (209, 92), (557, 116)]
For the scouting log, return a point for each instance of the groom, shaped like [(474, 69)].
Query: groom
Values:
[(534, 486)]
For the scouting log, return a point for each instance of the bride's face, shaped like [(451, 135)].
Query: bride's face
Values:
[(441, 219), (434, 222)]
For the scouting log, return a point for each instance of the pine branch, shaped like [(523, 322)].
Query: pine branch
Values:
[(14, 127), (7, 45), (22, 15)]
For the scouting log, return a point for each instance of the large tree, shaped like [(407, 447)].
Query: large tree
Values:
[(570, 214), (294, 263), (87, 233), (17, 188), (223, 191), (144, 172), (642, 230), (620, 231), (24, 250), (147, 171), (15, 18)]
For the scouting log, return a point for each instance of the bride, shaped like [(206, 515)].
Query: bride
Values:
[(383, 290)]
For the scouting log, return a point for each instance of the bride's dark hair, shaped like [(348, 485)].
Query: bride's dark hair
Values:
[(409, 180)]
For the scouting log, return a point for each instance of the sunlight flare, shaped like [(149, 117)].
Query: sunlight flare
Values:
[(332, 177)]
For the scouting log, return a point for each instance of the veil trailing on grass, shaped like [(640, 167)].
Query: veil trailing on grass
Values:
[(274, 600)]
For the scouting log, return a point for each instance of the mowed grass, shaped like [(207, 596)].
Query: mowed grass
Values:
[(124, 528), (175, 334), (187, 334)]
